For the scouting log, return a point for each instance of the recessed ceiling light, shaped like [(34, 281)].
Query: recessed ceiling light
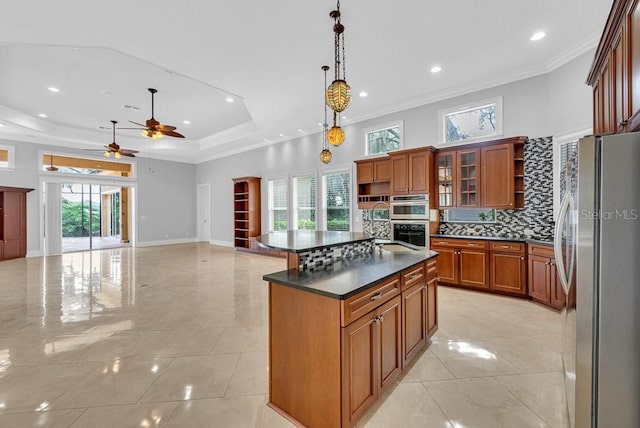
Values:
[(186, 122), (538, 36), (363, 94), (53, 89), (266, 139), (282, 135), (436, 69), (299, 130), (1, 125), (42, 115), (343, 117), (229, 99), (320, 123)]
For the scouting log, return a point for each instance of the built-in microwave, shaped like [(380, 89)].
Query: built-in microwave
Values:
[(414, 232), (409, 207)]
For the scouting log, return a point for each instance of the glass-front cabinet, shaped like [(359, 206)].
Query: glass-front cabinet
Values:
[(446, 179), (468, 178)]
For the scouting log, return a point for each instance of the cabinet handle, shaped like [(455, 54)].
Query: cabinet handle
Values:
[(521, 258), (473, 245), (376, 320), (413, 275), (623, 122), (377, 296), (381, 318)]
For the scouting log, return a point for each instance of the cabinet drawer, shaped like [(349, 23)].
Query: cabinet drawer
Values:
[(508, 247), (459, 243), (541, 250), (432, 269), (356, 306), (412, 276)]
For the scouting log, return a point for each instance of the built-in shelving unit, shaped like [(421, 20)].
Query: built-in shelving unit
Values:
[(246, 212), (518, 174)]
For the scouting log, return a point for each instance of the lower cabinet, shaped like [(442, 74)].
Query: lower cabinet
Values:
[(414, 321), (371, 358), (508, 267), (462, 262), (544, 284), (432, 297)]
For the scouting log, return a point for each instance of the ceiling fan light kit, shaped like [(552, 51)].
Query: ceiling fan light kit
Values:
[(154, 129), (115, 148)]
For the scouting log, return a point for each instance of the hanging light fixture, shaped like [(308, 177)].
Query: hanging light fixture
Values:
[(338, 94), (325, 154)]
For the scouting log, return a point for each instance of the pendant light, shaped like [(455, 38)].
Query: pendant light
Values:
[(338, 94), (325, 154)]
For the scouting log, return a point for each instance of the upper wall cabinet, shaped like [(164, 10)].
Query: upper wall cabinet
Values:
[(615, 72), (373, 178), (485, 175), (412, 171)]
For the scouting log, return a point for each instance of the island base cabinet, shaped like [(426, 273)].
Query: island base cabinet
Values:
[(414, 317), (371, 358), (432, 306)]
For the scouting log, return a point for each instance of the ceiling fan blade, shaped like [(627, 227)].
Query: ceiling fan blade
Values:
[(135, 123), (131, 155), (162, 127), (141, 127), (171, 134), (123, 151)]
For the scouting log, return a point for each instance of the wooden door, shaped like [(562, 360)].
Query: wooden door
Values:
[(432, 306), (446, 164), (497, 176), (418, 173), (468, 178), (447, 264), (414, 321), (556, 293), (508, 273), (14, 224), (390, 342), (539, 271), (364, 172), (382, 170), (399, 173), (360, 359), (633, 80), (474, 268)]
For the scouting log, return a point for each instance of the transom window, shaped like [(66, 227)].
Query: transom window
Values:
[(86, 166), (384, 139), (7, 158)]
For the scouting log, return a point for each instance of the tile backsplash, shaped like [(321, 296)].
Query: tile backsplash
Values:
[(537, 217)]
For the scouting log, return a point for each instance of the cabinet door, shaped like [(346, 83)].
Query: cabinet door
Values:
[(474, 268), (447, 264), (508, 273), (399, 172), (390, 342), (414, 321), (556, 297), (446, 162), (620, 95), (364, 172), (418, 175), (382, 170), (539, 268), (598, 117), (468, 178), (634, 65), (432, 307), (497, 176), (606, 89), (359, 364)]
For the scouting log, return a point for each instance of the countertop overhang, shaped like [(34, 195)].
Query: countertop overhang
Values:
[(348, 277), (298, 241)]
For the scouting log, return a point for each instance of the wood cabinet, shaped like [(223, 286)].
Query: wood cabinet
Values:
[(463, 262), (544, 284), (508, 267), (489, 175), (246, 212), (615, 71), (373, 177), (330, 359), (432, 297), (412, 172), (13, 222)]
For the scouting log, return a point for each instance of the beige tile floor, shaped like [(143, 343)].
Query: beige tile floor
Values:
[(176, 336)]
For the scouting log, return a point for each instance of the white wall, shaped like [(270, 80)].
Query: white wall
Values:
[(166, 195)]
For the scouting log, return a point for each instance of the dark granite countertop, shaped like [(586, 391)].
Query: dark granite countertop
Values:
[(297, 241), (346, 278), (542, 240)]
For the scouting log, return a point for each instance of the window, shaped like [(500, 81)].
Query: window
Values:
[(278, 201), (336, 198), (86, 166), (304, 202), (384, 139), (475, 122), (7, 158)]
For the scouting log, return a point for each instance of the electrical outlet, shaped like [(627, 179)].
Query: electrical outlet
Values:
[(337, 253)]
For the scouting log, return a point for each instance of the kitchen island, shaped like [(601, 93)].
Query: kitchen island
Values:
[(343, 324)]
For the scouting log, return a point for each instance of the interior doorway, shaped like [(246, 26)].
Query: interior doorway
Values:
[(204, 209), (93, 216)]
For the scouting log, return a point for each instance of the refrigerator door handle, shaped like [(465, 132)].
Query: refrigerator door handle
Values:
[(557, 244)]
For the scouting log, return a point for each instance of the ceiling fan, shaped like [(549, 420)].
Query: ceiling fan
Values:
[(51, 168), (154, 129), (115, 148)]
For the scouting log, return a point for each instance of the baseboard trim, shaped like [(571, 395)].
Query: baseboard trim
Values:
[(221, 243), (37, 253), (165, 242)]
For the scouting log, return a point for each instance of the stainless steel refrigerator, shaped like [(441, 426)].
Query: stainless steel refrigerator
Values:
[(598, 232)]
